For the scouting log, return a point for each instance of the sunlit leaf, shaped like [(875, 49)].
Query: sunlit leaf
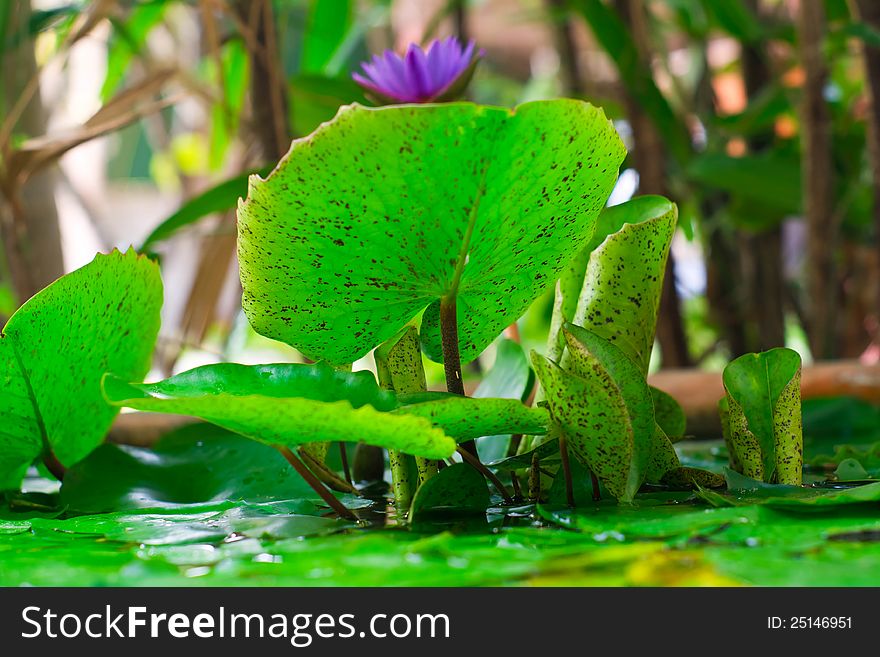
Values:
[(287, 405), (619, 301), (54, 350)]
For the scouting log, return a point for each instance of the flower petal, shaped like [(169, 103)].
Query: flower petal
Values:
[(417, 77)]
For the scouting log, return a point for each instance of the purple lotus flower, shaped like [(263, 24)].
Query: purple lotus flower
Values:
[(438, 74)]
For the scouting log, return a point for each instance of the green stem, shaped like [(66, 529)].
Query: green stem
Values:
[(401, 479), (535, 479), (451, 356), (449, 342), (427, 468), (400, 368)]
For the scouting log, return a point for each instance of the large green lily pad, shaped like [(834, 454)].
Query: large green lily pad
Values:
[(382, 213)]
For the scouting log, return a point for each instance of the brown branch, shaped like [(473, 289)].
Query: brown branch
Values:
[(650, 162), (868, 11), (566, 47), (818, 181), (267, 83)]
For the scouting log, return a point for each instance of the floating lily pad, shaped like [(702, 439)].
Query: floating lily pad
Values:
[(197, 465)]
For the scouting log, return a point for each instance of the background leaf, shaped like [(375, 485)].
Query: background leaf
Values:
[(613, 36), (219, 198), (327, 25), (771, 179)]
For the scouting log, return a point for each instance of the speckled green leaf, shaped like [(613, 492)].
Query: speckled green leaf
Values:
[(286, 405), (456, 489), (586, 349), (764, 415), (688, 477), (669, 414), (619, 300), (571, 279), (20, 434), (662, 459), (382, 212), (594, 419), (54, 350), (466, 418), (654, 454)]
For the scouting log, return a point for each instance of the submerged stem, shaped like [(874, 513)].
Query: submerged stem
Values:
[(517, 490), (325, 475), (316, 485)]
